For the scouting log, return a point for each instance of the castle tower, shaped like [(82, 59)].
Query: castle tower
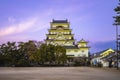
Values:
[(60, 34), (83, 47)]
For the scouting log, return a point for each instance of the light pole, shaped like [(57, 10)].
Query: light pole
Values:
[(117, 44), (117, 23)]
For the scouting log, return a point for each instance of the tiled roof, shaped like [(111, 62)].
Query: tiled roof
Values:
[(82, 41), (110, 55), (71, 47), (98, 53), (59, 21)]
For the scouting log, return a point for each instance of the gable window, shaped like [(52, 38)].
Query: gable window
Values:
[(75, 50), (68, 50), (82, 51)]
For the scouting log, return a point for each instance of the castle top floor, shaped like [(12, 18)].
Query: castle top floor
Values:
[(59, 24)]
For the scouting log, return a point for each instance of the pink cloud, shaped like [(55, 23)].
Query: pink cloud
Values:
[(17, 28)]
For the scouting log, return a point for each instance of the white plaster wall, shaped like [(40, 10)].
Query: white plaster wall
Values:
[(105, 64), (68, 44), (78, 54), (119, 64)]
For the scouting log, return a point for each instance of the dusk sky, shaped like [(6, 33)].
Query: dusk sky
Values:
[(23, 20)]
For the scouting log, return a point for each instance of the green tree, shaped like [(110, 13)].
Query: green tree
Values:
[(43, 53), (117, 17), (9, 52), (23, 59), (37, 55), (2, 57), (60, 55), (31, 53), (30, 50), (50, 53), (2, 60)]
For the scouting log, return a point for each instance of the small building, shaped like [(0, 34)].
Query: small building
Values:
[(99, 58), (113, 59)]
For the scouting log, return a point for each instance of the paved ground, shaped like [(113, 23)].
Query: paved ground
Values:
[(58, 73)]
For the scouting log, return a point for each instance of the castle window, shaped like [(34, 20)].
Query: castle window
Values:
[(109, 52), (79, 55), (69, 50), (59, 27), (64, 32), (75, 50), (82, 51), (67, 32)]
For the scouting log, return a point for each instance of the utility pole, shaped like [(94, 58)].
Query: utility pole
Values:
[(117, 46), (117, 24)]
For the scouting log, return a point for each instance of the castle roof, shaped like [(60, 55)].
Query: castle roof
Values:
[(59, 21), (82, 41), (71, 47)]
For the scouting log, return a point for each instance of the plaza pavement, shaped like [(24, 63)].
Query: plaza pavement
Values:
[(58, 73)]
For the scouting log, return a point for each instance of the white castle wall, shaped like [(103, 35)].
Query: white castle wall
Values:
[(78, 53)]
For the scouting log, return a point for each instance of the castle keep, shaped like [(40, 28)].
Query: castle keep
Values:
[(61, 34)]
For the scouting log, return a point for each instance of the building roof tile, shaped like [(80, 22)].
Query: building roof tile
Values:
[(60, 21)]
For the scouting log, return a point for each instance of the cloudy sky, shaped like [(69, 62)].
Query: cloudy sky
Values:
[(23, 20)]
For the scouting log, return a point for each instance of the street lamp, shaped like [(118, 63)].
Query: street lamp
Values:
[(117, 44), (117, 22)]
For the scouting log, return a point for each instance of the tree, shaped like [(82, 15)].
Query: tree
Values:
[(9, 51), (23, 60), (117, 22), (117, 17), (37, 55), (60, 55), (30, 49), (50, 53), (2, 60), (31, 53), (43, 52)]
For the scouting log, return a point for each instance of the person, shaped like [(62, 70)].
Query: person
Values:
[(110, 63), (95, 62)]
